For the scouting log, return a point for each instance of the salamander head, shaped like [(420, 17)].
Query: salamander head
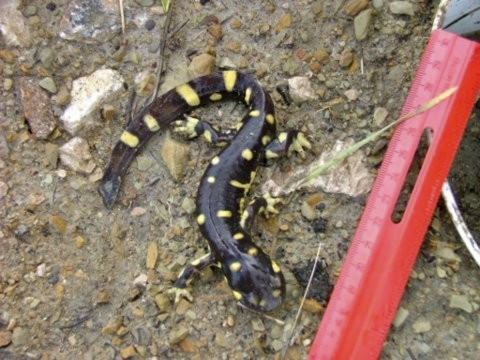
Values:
[(257, 281)]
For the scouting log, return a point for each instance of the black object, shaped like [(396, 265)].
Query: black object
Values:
[(463, 18)]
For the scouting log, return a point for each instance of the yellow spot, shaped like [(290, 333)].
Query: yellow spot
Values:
[(215, 160), (266, 140), (201, 219), (276, 293), (270, 119), (263, 303), (216, 97), (188, 94), (151, 122), (129, 139), (275, 267), (282, 137), (195, 262), (244, 218), (224, 213), (252, 175), (253, 251), (247, 154), (254, 113), (229, 78), (235, 266), (239, 125), (238, 236), (207, 135), (271, 154), (241, 204), (248, 95), (238, 184), (237, 295), (211, 179)]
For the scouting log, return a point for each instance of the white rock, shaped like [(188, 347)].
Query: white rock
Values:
[(352, 94), (75, 154), (12, 24), (88, 94), (300, 89), (140, 280)]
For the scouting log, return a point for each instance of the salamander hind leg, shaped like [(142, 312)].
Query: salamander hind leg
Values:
[(186, 275)]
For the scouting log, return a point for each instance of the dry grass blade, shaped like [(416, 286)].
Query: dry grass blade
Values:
[(347, 152)]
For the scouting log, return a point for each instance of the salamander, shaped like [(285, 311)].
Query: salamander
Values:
[(221, 213)]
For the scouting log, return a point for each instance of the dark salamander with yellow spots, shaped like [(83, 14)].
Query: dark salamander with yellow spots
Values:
[(224, 219)]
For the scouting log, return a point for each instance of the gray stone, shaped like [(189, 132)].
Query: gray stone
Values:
[(401, 8), (362, 23)]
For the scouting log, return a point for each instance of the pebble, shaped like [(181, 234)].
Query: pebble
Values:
[(112, 326), (202, 64), (460, 302), (5, 338), (41, 270), (138, 211), (353, 7), (401, 8), (75, 154), (37, 108), (15, 31), (308, 211), (128, 352), (216, 30), (58, 223), (49, 85), (152, 255), (277, 346), (346, 58), (258, 325), (188, 204), (421, 326), (377, 4), (284, 22), (144, 162), (163, 303), (178, 334), (7, 84), (140, 281), (150, 24), (88, 94), (447, 254), (80, 242), (46, 57), (301, 89), (21, 336), (352, 94), (175, 156), (379, 115), (362, 23), (400, 317)]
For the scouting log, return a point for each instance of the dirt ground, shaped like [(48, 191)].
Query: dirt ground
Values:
[(76, 279)]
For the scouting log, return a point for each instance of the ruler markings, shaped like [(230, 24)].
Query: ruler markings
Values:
[(382, 253)]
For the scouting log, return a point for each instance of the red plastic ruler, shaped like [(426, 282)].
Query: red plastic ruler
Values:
[(382, 253)]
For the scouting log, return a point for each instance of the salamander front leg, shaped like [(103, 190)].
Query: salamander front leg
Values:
[(186, 275), (192, 127), (287, 142), (261, 205)]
